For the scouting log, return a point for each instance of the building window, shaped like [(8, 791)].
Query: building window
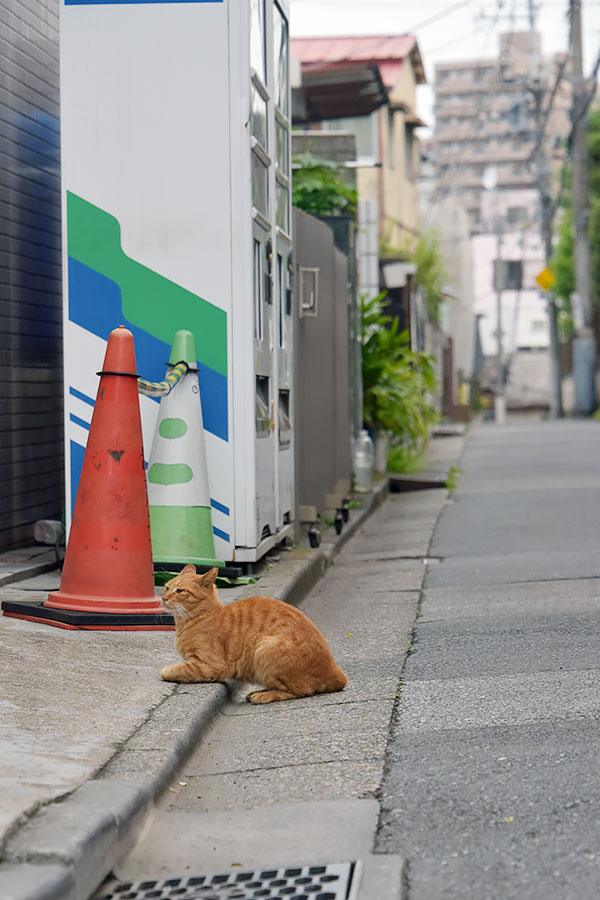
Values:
[(257, 39), (409, 144), (364, 128), (508, 274), (258, 117), (280, 292), (515, 214), (260, 184), (282, 135), (390, 136), (258, 324), (280, 49), (282, 213)]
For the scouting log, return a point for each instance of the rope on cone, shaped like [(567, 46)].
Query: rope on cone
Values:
[(162, 388)]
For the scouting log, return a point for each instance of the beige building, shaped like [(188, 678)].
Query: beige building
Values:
[(388, 149)]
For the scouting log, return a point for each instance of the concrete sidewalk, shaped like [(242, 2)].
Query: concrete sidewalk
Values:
[(90, 734)]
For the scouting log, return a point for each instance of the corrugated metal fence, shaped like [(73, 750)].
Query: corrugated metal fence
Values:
[(323, 426), (31, 428)]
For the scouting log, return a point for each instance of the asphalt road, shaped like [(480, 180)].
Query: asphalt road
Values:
[(492, 782)]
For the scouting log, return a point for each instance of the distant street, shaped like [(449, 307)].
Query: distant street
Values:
[(492, 782)]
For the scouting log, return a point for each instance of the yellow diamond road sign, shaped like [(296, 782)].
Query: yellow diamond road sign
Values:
[(545, 279)]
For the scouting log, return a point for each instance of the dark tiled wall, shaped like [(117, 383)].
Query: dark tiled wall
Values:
[(31, 425)]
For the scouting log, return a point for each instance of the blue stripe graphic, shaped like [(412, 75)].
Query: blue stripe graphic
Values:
[(80, 396), (219, 506), (79, 421), (77, 452), (221, 534)]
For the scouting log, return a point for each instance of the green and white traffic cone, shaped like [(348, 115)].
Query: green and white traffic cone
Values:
[(178, 492)]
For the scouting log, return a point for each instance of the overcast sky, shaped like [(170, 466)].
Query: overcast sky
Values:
[(463, 29)]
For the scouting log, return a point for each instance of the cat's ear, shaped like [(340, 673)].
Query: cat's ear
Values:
[(208, 578), (188, 570)]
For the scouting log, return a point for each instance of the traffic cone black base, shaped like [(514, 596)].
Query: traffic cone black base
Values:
[(92, 621)]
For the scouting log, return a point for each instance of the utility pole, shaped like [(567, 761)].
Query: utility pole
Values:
[(584, 344), (490, 183), (538, 90), (500, 396)]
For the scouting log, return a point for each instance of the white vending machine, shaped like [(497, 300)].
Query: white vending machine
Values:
[(175, 132)]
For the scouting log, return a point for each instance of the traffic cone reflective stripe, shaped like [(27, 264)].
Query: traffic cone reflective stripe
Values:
[(178, 490)]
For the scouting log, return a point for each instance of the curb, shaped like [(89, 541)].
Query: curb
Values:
[(68, 848), (19, 571)]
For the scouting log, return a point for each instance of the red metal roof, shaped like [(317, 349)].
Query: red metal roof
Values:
[(387, 51)]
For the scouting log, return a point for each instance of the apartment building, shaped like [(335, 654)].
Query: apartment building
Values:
[(490, 147), (485, 116)]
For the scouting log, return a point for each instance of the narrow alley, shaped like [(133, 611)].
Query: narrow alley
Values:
[(487, 784)]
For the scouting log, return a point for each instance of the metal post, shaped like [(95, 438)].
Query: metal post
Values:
[(556, 403), (500, 398), (542, 176), (584, 344)]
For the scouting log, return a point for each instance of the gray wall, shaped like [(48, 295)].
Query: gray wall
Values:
[(321, 361), (31, 426)]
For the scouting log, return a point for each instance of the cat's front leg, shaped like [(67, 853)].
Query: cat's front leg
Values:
[(188, 672)]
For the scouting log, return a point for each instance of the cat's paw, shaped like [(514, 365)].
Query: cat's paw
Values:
[(169, 673), (258, 697), (269, 696)]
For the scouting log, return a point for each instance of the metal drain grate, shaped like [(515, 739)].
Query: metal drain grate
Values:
[(334, 881)]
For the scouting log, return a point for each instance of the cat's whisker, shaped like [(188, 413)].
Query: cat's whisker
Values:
[(180, 610)]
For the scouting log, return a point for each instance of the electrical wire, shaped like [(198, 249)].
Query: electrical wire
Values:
[(439, 16)]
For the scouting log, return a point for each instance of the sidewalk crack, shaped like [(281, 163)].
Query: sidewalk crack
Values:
[(317, 762)]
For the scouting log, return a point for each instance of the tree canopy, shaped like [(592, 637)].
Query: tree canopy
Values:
[(562, 263)]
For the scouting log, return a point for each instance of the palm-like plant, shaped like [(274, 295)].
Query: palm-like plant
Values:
[(396, 379)]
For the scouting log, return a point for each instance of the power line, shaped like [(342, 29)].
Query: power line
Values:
[(439, 16), (477, 30)]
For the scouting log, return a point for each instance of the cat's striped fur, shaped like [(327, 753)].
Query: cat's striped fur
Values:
[(256, 639)]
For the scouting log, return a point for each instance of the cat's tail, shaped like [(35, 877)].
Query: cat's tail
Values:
[(338, 680)]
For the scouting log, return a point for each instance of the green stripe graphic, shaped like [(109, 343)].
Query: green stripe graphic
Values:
[(150, 301)]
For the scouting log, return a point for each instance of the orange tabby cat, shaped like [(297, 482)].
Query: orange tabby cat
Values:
[(255, 639)]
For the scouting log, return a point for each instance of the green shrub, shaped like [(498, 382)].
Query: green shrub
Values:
[(318, 189), (404, 459), (396, 379)]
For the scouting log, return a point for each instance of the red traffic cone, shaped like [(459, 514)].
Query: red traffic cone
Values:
[(108, 574)]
